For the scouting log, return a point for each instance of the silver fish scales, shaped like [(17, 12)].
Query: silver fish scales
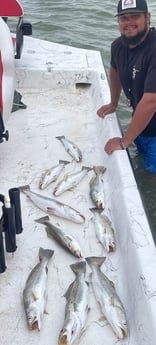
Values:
[(77, 306), (103, 229), (97, 188), (71, 148), (61, 237), (50, 175), (70, 181), (35, 291), (107, 298), (52, 206)]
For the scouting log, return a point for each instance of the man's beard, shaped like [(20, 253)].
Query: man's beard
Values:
[(135, 39)]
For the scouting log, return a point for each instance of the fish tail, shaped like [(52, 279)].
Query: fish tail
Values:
[(60, 137), (63, 162), (95, 210), (99, 169), (87, 168), (95, 260), (48, 253), (42, 220), (78, 267), (24, 188)]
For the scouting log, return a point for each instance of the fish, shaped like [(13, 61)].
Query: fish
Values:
[(50, 175), (52, 206), (70, 181), (106, 296), (97, 188), (71, 148), (104, 230), (61, 237), (35, 291), (76, 310)]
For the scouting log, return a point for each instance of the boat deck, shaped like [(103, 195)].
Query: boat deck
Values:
[(65, 104)]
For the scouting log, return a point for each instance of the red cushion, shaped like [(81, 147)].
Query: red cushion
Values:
[(14, 40), (1, 74), (10, 8)]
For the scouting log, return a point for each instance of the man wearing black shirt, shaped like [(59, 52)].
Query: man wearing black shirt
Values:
[(133, 69)]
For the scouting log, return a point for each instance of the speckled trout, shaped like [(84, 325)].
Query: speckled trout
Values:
[(61, 237), (50, 175), (52, 206), (70, 181), (103, 229), (107, 298), (35, 291), (71, 148), (77, 306), (97, 187)]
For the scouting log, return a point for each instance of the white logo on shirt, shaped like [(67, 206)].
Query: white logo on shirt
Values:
[(134, 72)]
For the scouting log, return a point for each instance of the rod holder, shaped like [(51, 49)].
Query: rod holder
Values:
[(14, 195), (9, 228), (2, 256)]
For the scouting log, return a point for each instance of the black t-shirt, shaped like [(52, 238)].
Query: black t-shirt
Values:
[(137, 71)]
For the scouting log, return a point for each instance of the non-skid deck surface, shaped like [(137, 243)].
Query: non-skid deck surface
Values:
[(32, 148)]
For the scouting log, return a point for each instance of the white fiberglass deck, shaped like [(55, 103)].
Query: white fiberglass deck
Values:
[(55, 106)]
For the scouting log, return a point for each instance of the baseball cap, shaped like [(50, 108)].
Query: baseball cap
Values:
[(131, 6)]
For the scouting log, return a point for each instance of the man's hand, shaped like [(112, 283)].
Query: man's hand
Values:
[(105, 110), (112, 145)]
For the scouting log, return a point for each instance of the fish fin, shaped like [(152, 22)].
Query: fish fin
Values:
[(112, 283), (95, 210), (69, 237), (87, 283), (50, 210), (90, 275), (87, 168), (95, 260), (45, 252), (99, 169), (68, 292), (60, 137), (63, 162), (97, 239), (91, 180), (34, 296), (42, 220), (46, 312), (78, 266), (107, 219), (102, 318)]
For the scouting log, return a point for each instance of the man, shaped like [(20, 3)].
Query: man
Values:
[(133, 68)]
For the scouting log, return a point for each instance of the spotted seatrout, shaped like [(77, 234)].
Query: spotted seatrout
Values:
[(50, 175), (77, 306), (34, 293), (103, 229), (97, 187), (71, 148), (61, 237), (107, 298), (52, 206), (70, 181)]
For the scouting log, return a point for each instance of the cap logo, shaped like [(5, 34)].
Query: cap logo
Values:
[(126, 4)]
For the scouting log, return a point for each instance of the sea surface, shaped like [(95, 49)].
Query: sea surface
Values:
[(92, 24)]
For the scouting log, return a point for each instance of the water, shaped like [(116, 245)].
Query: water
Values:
[(91, 24)]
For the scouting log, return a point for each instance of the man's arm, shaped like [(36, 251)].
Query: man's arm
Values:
[(115, 89), (142, 116)]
